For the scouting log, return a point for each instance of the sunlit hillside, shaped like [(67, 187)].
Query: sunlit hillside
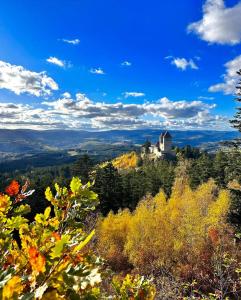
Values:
[(126, 161)]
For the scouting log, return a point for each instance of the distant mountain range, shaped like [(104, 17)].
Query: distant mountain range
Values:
[(33, 141)]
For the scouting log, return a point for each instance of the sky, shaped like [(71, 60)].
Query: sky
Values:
[(130, 64)]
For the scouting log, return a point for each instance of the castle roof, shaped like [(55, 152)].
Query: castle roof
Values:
[(167, 135)]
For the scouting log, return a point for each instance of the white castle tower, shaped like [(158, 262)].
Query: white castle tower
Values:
[(165, 142), (163, 147)]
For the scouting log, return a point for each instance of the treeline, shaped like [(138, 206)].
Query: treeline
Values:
[(125, 188)]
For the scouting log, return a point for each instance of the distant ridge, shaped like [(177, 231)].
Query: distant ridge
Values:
[(26, 140)]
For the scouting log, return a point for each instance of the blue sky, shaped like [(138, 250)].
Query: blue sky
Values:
[(118, 64)]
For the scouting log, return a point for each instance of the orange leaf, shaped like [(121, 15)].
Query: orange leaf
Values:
[(56, 236), (13, 188), (36, 259)]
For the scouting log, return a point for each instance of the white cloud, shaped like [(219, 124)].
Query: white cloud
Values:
[(177, 109), (183, 63), (229, 78), (106, 116), (133, 94), (66, 95), (25, 116), (205, 98), (19, 80), (97, 71), (83, 113), (56, 61), (219, 24), (126, 63), (73, 41)]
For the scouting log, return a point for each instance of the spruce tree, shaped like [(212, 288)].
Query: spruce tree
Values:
[(236, 121)]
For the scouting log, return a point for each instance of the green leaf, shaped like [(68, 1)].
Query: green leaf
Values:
[(85, 241), (75, 185), (16, 222), (47, 212), (22, 209), (28, 296), (5, 275), (57, 250), (48, 194)]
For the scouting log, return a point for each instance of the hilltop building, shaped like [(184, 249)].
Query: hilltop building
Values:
[(162, 149)]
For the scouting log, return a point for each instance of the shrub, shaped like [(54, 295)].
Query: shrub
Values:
[(49, 258), (111, 233)]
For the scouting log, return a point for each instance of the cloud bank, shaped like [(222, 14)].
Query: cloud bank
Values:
[(83, 113)]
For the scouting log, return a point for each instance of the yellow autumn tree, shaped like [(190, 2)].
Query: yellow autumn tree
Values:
[(111, 232), (167, 233)]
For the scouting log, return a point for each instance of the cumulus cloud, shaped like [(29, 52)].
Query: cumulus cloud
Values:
[(126, 63), (97, 71), (219, 24), (229, 78), (177, 109), (20, 80), (66, 95), (81, 112), (56, 61), (133, 94), (72, 42), (183, 63)]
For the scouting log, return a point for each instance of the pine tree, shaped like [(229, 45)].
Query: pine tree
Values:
[(236, 121), (82, 167), (108, 186)]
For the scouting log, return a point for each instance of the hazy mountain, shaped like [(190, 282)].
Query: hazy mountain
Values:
[(33, 141)]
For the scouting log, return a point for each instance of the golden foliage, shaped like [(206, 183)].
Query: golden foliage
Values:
[(164, 233), (112, 232), (12, 289), (126, 161)]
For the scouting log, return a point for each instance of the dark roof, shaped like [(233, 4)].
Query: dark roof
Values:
[(167, 135)]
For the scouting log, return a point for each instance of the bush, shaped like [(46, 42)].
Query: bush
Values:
[(111, 232), (49, 258)]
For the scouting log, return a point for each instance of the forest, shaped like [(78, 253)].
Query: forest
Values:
[(128, 228)]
